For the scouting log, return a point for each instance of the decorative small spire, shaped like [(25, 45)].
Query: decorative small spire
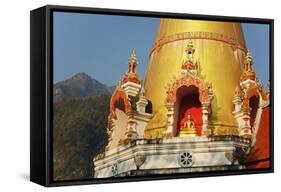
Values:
[(142, 91), (142, 102), (237, 92), (133, 54), (248, 62), (248, 73), (133, 61), (131, 77)]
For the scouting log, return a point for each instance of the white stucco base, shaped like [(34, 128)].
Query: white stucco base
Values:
[(157, 156)]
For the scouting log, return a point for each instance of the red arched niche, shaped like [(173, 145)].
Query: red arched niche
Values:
[(119, 100), (251, 100), (119, 104), (254, 105), (188, 102)]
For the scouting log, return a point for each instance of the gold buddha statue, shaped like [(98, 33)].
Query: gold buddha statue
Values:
[(188, 128)]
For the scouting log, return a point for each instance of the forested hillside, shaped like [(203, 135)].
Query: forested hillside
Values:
[(79, 133)]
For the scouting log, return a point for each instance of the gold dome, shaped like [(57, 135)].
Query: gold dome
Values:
[(219, 49)]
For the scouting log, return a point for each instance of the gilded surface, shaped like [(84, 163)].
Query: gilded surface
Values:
[(219, 58), (157, 124)]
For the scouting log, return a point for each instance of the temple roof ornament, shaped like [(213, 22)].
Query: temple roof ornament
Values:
[(119, 93), (238, 92), (249, 82), (248, 72), (268, 88), (142, 92), (131, 75), (133, 58), (142, 101)]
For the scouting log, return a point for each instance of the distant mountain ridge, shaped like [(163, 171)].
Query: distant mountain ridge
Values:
[(80, 85)]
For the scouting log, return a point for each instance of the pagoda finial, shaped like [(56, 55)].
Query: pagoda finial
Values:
[(133, 53), (133, 56), (248, 73), (248, 61), (133, 61), (131, 77), (142, 91)]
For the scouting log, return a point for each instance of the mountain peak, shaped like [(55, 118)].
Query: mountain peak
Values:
[(78, 86), (81, 75)]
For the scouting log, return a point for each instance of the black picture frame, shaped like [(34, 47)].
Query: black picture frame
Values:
[(41, 91)]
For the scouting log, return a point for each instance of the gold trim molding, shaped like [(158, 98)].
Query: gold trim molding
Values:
[(197, 35)]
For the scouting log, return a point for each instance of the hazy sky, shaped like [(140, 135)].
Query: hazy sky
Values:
[(100, 45)]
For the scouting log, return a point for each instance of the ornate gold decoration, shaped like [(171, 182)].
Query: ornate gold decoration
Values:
[(219, 130), (157, 132), (187, 80), (190, 63), (188, 77), (232, 41), (238, 92)]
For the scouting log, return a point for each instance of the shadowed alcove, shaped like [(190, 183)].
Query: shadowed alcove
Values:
[(188, 103)]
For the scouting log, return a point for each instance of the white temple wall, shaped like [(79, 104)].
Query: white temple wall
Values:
[(119, 127), (165, 155)]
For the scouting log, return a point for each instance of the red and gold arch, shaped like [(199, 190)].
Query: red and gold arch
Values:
[(118, 96)]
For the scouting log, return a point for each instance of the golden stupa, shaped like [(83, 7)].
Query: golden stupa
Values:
[(200, 83), (219, 49)]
